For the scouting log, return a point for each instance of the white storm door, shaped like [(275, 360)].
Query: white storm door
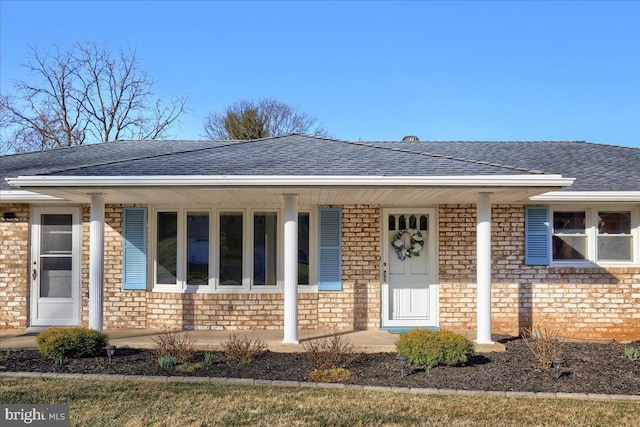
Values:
[(409, 291), (55, 266)]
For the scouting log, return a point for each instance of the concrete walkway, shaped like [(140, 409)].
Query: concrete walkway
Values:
[(370, 341)]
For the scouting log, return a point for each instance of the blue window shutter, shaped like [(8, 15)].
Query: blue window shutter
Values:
[(134, 249), (537, 233), (330, 250)]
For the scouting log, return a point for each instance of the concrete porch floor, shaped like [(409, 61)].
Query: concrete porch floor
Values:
[(369, 341)]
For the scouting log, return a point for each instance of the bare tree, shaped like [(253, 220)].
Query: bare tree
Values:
[(253, 119), (86, 94)]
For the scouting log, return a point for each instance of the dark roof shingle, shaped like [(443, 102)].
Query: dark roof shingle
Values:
[(596, 167)]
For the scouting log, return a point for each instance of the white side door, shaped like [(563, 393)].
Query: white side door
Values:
[(55, 266), (409, 288)]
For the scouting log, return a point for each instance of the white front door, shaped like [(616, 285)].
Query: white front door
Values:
[(409, 288), (55, 266)]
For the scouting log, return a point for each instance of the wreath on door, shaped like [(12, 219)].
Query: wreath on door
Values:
[(408, 249)]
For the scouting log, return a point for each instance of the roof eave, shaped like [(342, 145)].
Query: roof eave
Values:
[(588, 196), (257, 181), (23, 196)]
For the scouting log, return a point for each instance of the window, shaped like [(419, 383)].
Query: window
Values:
[(615, 242), (197, 248), (593, 235), (303, 248), (265, 248), (167, 249), (231, 235), (204, 250)]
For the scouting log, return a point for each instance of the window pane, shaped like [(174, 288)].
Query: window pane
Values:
[(231, 249), (614, 222), (424, 222), (265, 229), (402, 223), (303, 249), (569, 235), (392, 222), (197, 248), (55, 277), (56, 233), (614, 248), (167, 248), (569, 222), (569, 247)]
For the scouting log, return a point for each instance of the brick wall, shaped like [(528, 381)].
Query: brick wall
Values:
[(226, 311), (585, 303), (581, 303), (14, 266), (358, 305), (122, 309)]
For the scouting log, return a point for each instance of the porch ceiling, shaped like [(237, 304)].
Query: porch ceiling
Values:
[(339, 195)]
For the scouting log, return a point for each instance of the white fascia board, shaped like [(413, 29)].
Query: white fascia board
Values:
[(588, 196), (291, 180), (23, 196)]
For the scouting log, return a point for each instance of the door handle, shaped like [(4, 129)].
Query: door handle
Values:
[(34, 275), (384, 276)]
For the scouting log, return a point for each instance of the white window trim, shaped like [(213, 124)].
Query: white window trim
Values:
[(213, 285), (591, 212)]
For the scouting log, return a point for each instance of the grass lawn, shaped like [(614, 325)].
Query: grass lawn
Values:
[(143, 403)]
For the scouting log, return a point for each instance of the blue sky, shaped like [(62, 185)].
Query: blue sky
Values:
[(502, 70)]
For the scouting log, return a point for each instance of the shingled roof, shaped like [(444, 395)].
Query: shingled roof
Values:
[(596, 167)]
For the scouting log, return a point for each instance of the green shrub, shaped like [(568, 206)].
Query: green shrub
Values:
[(210, 358), (70, 343), (632, 353), (426, 349), (167, 362)]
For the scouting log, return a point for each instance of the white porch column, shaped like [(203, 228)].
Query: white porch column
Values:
[(290, 269), (483, 269), (96, 262)]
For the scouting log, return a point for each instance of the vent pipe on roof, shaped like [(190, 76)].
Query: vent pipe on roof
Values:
[(411, 138)]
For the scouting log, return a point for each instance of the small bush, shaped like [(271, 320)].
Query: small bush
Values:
[(167, 362), (329, 353), (544, 344), (241, 349), (632, 353), (427, 349), (173, 343), (7, 355), (59, 344), (333, 375), (210, 358)]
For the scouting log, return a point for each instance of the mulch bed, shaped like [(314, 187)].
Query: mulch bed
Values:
[(589, 368)]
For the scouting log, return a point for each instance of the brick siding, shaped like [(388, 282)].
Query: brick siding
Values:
[(587, 303), (14, 266), (579, 302)]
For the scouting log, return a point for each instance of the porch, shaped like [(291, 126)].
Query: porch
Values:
[(368, 341)]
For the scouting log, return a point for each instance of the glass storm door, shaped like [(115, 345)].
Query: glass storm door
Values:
[(55, 267), (409, 291)]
